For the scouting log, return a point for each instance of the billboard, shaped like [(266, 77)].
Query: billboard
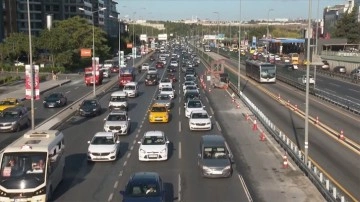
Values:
[(220, 37), (85, 52), (253, 44), (209, 37), (32, 88), (162, 37), (143, 37)]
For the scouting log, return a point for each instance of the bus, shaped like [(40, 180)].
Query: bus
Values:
[(294, 58), (262, 72), (207, 48), (32, 166)]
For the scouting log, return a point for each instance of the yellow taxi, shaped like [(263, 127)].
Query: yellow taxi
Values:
[(7, 103), (158, 113)]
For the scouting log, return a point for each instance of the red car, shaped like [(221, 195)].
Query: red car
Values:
[(172, 77), (159, 64), (114, 69)]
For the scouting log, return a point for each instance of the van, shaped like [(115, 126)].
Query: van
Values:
[(131, 89), (214, 159), (118, 100)]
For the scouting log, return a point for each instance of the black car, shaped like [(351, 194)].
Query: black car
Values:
[(171, 69), (144, 187), (191, 94), (151, 79), (90, 108), (55, 100)]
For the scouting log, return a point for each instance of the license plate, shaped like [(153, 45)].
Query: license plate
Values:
[(152, 156), (216, 172)]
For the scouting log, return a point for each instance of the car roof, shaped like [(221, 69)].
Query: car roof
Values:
[(131, 83), (154, 133), (213, 140), (158, 105), (202, 111), (118, 93), (116, 111), (144, 177), (104, 134)]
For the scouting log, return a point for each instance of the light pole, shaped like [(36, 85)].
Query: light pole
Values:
[(306, 142), (217, 40), (317, 29), (267, 27), (239, 52), (31, 70), (119, 22), (134, 48), (93, 47)]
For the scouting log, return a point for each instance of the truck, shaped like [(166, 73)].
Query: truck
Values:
[(126, 75), (302, 80), (89, 78), (219, 78)]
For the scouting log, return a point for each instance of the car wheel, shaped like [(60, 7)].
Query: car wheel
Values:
[(17, 129)]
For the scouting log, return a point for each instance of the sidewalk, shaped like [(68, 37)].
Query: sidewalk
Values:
[(18, 90)]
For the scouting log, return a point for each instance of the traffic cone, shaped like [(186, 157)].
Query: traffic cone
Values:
[(237, 106), (255, 125), (295, 109), (279, 98), (317, 121), (341, 136), (262, 136), (285, 162), (288, 103), (247, 116)]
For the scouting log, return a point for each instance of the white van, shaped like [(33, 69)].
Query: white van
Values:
[(131, 89), (118, 100)]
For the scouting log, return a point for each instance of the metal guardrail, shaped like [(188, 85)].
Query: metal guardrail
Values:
[(324, 183)]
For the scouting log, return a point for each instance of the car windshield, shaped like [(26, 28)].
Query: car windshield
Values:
[(129, 87), (7, 102), (199, 116), (151, 76), (165, 80), (145, 64), (158, 109), (187, 83), (194, 104), (154, 140), (163, 97), (190, 78), (117, 117), (167, 89), (89, 103), (143, 189), (214, 153), (11, 114), (117, 99), (191, 88), (102, 140), (53, 97)]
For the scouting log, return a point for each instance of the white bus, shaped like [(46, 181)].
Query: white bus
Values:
[(32, 166), (262, 72)]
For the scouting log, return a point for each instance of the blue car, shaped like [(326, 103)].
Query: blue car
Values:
[(144, 187)]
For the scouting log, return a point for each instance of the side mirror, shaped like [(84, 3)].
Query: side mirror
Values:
[(129, 119), (210, 117), (167, 142), (88, 142), (139, 142), (117, 141), (203, 106)]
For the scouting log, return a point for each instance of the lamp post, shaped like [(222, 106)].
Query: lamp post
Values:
[(31, 70), (93, 47), (217, 40), (134, 48), (119, 22), (317, 30), (239, 52), (267, 27)]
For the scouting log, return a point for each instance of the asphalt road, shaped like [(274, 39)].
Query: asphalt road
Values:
[(340, 162), (102, 181)]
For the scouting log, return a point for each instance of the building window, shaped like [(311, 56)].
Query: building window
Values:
[(66, 8), (72, 8), (56, 8), (47, 8)]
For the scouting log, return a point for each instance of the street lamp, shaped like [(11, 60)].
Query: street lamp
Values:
[(218, 21), (119, 22), (93, 46), (31, 70), (267, 27), (239, 52), (134, 48)]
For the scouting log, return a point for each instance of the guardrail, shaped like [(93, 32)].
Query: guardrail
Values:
[(329, 189)]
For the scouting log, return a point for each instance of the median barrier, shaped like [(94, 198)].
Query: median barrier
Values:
[(57, 119)]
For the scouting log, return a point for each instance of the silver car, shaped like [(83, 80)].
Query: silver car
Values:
[(14, 119), (164, 99), (214, 158), (117, 122)]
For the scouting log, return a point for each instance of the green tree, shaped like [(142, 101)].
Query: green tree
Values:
[(17, 44), (348, 26)]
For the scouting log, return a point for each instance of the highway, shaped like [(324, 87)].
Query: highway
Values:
[(340, 162), (104, 180)]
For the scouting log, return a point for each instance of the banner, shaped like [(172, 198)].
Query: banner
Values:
[(85, 52), (29, 88), (143, 37), (162, 37), (129, 45)]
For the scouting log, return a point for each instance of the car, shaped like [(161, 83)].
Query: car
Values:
[(164, 99), (152, 70), (145, 187), (90, 107), (145, 66), (171, 69), (158, 113), (104, 146), (152, 58), (302, 79), (55, 100), (190, 78), (168, 90), (191, 94), (165, 82), (215, 158), (117, 122), (191, 87), (340, 69), (131, 89), (190, 71), (14, 119), (326, 65), (118, 100), (159, 64), (7, 103), (19, 64), (163, 60), (200, 120), (153, 146), (174, 63), (151, 78), (188, 83), (192, 105), (172, 77)]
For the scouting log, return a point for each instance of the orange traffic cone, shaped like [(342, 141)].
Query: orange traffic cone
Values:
[(341, 136), (295, 109), (247, 116), (262, 136), (288, 103), (285, 162), (255, 125), (317, 121)]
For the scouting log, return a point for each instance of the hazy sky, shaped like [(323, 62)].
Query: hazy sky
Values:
[(226, 9)]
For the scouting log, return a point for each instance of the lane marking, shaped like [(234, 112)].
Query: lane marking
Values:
[(218, 126), (179, 150), (120, 173), (116, 184), (110, 197), (353, 98), (128, 155), (179, 126), (330, 90), (132, 147), (134, 142), (179, 188), (179, 111), (246, 190), (76, 87), (354, 90), (207, 100), (212, 111), (124, 163), (333, 84), (67, 92)]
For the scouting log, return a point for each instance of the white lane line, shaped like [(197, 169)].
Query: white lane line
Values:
[(179, 111), (248, 195), (179, 150), (212, 111), (330, 90), (116, 184), (124, 163), (353, 98), (333, 84), (132, 147), (179, 188), (179, 126), (110, 197), (120, 173), (76, 87), (67, 92), (179, 90), (218, 126), (134, 142), (354, 90), (207, 100), (128, 155)]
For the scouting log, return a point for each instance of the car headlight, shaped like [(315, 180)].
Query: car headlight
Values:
[(113, 151), (89, 152), (163, 151), (81, 110), (58, 101), (206, 168), (227, 168), (94, 109), (191, 123), (142, 151), (13, 123), (150, 116), (208, 123)]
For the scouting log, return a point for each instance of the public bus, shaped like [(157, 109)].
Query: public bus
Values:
[(294, 58), (262, 72), (32, 166), (207, 48)]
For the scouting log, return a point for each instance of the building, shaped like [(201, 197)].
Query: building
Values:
[(14, 14)]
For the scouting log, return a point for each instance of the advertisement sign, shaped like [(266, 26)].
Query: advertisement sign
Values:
[(162, 37), (129, 45), (209, 37), (143, 37), (122, 60), (253, 44), (85, 52), (29, 87), (220, 37), (134, 53)]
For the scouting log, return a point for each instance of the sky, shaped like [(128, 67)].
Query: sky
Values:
[(222, 9)]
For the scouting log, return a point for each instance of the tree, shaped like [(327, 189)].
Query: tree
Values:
[(348, 26)]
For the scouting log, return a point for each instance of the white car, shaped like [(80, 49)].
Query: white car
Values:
[(152, 70), (104, 146), (302, 80), (118, 100), (199, 120), (190, 77), (174, 63), (192, 105), (191, 87), (153, 146), (165, 83), (131, 89), (145, 66), (169, 91), (188, 83), (277, 58), (117, 122)]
